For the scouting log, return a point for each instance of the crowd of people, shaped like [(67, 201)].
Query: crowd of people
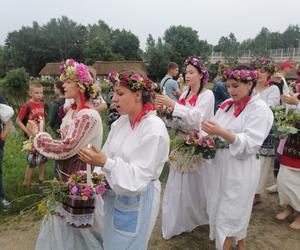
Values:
[(219, 192)]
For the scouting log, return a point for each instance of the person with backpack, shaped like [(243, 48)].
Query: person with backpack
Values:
[(168, 84), (33, 110)]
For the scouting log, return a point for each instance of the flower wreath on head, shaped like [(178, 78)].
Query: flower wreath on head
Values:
[(264, 63), (243, 75), (134, 82), (198, 64), (78, 72)]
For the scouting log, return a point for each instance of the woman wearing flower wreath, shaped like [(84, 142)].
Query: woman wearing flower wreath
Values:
[(184, 202), (244, 122), (81, 126), (270, 93), (132, 158)]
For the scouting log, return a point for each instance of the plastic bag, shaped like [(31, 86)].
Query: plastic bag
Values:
[(6, 112)]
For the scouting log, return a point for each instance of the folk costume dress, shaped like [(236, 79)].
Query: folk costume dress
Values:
[(234, 172), (78, 129), (271, 96), (184, 201), (288, 180), (136, 155)]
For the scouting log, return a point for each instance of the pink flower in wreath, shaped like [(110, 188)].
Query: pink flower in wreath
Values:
[(244, 74), (100, 189), (82, 73), (135, 78), (71, 62)]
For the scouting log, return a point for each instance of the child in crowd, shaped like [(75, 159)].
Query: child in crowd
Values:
[(56, 112), (33, 110)]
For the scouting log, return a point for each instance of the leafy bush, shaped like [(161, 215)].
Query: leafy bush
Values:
[(16, 80)]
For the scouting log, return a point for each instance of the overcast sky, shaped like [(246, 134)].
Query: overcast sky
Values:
[(211, 18)]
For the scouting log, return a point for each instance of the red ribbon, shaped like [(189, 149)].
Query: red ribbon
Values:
[(147, 107), (192, 101), (267, 83), (82, 101), (239, 106)]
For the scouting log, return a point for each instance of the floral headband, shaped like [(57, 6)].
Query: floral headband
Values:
[(198, 64), (243, 75), (78, 72), (264, 63), (134, 82)]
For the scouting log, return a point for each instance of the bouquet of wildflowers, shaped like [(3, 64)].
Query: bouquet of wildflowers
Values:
[(75, 188), (205, 145), (189, 152), (77, 185)]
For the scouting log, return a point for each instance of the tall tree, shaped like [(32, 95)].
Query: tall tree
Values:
[(157, 57), (99, 42), (126, 45), (184, 41)]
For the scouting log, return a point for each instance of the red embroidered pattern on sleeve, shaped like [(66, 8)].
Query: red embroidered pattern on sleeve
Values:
[(80, 129)]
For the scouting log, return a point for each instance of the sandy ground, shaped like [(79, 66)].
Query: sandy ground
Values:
[(264, 232)]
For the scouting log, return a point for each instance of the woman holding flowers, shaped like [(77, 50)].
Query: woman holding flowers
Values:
[(132, 158), (81, 126), (184, 202), (271, 95), (244, 122)]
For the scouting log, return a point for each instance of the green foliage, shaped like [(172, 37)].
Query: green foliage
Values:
[(16, 80), (228, 45), (183, 40), (14, 165), (285, 121), (3, 63), (125, 44), (157, 57)]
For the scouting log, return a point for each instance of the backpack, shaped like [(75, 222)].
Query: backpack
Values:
[(26, 118), (61, 112)]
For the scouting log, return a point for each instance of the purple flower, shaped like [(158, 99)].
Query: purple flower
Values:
[(100, 189), (252, 75), (112, 76), (74, 189)]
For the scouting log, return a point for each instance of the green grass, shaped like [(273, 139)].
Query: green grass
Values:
[(14, 166)]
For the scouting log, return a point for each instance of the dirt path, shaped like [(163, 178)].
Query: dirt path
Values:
[(264, 233)]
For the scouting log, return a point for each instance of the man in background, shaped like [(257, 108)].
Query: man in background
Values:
[(168, 84)]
